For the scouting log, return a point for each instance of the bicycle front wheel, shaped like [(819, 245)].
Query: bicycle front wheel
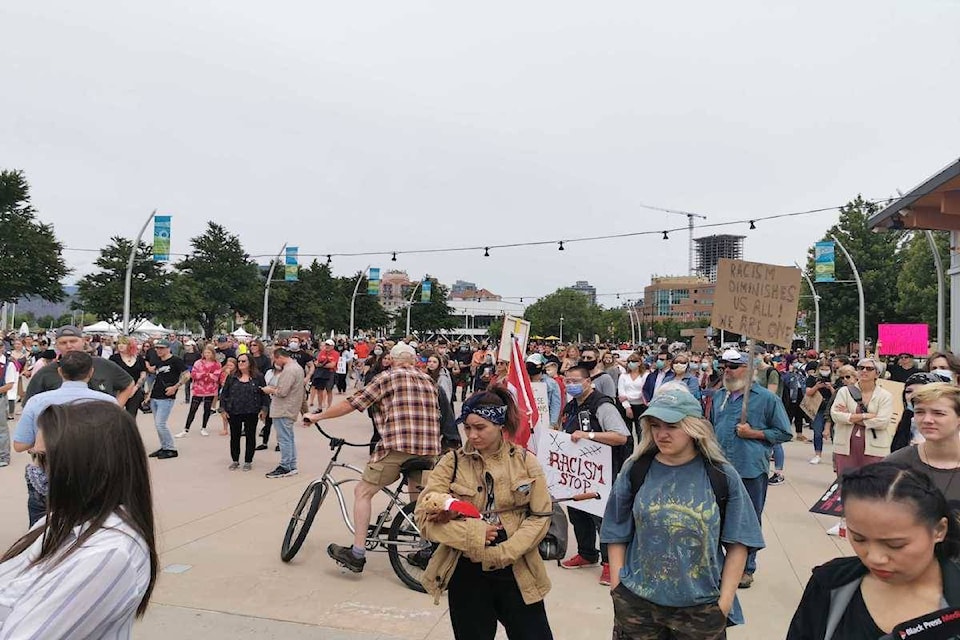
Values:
[(408, 552), (302, 518)]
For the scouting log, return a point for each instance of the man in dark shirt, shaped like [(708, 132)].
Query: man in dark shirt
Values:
[(224, 350), (903, 368), (169, 371), (107, 376)]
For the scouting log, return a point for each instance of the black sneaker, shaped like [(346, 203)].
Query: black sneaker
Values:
[(155, 454), (261, 447), (421, 559), (277, 449), (344, 557), (163, 454), (775, 479), (282, 472)]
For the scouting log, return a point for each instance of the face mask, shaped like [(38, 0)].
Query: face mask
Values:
[(633, 365), (824, 373), (294, 344), (608, 363), (588, 364), (575, 390), (910, 405), (533, 370), (378, 352), (943, 373), (661, 364), (704, 366), (679, 368)]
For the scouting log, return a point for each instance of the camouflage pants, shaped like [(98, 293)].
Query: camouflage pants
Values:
[(637, 619)]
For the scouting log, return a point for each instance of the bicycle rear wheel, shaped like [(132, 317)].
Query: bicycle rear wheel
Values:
[(408, 552), (302, 519)]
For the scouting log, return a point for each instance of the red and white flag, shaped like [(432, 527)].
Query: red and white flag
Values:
[(518, 382)]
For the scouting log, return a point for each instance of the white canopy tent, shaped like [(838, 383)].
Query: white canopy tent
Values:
[(102, 327), (241, 333)]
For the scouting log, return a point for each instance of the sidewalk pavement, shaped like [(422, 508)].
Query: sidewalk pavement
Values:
[(220, 531)]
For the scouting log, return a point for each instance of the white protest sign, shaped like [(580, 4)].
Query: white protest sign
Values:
[(576, 467), (513, 328), (543, 406)]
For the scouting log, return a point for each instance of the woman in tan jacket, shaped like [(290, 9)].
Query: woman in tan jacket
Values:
[(490, 563), (863, 427)]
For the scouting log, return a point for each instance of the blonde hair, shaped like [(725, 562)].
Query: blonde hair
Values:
[(936, 391), (697, 427)]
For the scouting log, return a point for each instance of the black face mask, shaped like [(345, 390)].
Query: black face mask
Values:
[(589, 365), (533, 370)]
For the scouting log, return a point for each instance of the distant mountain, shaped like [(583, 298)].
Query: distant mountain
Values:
[(41, 308)]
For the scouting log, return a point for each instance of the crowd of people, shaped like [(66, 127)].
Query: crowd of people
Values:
[(693, 435)]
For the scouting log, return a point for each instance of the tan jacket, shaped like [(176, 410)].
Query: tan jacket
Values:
[(879, 431), (520, 489), (288, 399)]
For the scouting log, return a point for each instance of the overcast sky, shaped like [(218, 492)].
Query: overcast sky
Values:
[(358, 126)]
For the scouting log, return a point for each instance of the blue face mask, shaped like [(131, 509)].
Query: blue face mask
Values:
[(575, 390), (909, 405), (661, 364)]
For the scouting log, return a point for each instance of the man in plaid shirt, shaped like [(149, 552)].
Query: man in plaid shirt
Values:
[(406, 412)]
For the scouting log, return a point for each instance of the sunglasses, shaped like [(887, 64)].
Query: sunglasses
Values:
[(859, 368), (733, 365), (848, 376)]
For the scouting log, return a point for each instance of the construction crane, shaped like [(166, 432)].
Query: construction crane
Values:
[(690, 217)]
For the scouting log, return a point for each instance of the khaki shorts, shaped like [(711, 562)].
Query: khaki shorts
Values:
[(386, 471)]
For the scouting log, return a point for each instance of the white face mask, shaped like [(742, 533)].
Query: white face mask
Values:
[(824, 372), (943, 373), (680, 368)]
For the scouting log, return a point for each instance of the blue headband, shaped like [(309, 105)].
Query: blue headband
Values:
[(495, 414)]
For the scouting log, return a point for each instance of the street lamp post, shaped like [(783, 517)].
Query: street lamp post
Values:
[(561, 328), (633, 332), (264, 334), (353, 300), (410, 305), (856, 276), (128, 280), (941, 298), (816, 309)]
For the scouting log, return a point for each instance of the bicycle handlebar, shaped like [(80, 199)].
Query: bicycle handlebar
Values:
[(338, 442)]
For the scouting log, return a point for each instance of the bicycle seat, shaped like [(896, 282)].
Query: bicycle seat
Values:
[(416, 464)]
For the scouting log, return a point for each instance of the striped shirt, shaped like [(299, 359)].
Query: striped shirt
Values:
[(404, 406), (93, 593)]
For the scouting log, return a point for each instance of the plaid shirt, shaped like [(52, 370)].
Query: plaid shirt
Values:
[(404, 407)]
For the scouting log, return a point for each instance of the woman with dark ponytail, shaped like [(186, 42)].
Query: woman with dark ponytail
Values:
[(907, 541)]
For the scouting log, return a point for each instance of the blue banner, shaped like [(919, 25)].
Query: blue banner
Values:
[(161, 238), (425, 290), (291, 266), (373, 282), (824, 264)]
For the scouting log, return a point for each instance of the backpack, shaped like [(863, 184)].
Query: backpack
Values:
[(791, 387), (718, 480)]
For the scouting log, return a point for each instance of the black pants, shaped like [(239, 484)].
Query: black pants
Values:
[(376, 437), (186, 389), (797, 415), (243, 424), (479, 599), (341, 382), (585, 528), (133, 404), (194, 405)]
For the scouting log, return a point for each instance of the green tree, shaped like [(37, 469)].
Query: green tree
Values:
[(429, 317), (31, 260), (615, 325), (579, 316), (221, 278), (101, 293), (917, 280), (879, 262)]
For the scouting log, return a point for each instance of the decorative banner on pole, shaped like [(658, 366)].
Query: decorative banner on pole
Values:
[(373, 282), (824, 265), (161, 238), (894, 339), (756, 300), (578, 467), (425, 290), (291, 266)]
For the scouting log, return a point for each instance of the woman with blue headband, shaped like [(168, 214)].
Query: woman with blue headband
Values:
[(488, 507)]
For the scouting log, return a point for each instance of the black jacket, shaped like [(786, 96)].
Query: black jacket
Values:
[(810, 620)]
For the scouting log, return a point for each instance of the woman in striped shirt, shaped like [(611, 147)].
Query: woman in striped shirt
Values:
[(87, 569)]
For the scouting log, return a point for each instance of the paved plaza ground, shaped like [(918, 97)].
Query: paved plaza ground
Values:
[(220, 531)]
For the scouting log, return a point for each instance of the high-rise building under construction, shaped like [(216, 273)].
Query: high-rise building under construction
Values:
[(711, 248)]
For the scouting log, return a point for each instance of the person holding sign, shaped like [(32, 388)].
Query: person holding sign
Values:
[(678, 526), (907, 541), (593, 416), (488, 507), (747, 431)]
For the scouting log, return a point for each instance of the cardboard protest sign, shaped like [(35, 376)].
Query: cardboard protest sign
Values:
[(894, 339), (756, 300), (576, 467), (830, 503), (938, 625), (543, 406), (513, 328)]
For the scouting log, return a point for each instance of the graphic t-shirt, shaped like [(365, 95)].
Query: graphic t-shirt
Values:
[(678, 562), (168, 374)]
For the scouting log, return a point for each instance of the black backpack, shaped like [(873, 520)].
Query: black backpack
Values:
[(718, 480)]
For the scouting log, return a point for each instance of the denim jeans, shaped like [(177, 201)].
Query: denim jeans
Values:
[(817, 424), (161, 412), (288, 448), (778, 457), (757, 490), (4, 438), (36, 504)]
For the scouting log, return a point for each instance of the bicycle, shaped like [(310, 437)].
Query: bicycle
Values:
[(401, 539)]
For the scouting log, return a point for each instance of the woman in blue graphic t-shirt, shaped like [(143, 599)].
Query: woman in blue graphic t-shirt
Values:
[(682, 581)]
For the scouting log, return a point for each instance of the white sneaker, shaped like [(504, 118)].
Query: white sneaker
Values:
[(182, 434), (815, 460), (834, 530), (204, 432)]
